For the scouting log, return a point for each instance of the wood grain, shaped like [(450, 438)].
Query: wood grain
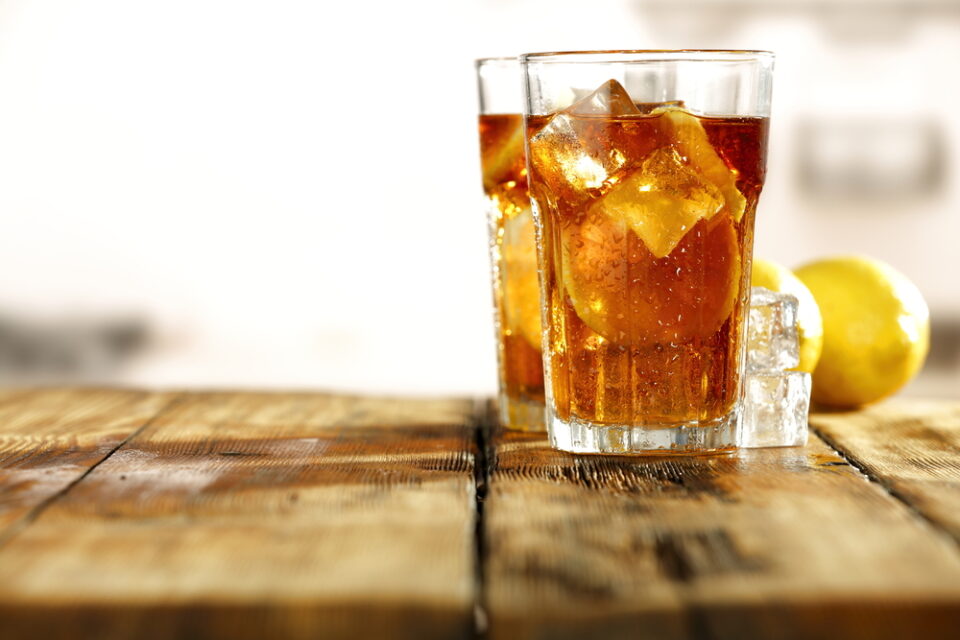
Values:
[(772, 543), (260, 515), (911, 447), (244, 515), (49, 439)]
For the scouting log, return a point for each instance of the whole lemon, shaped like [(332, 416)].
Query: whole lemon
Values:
[(876, 329), (776, 277)]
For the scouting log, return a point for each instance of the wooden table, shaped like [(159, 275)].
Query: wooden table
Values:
[(128, 514)]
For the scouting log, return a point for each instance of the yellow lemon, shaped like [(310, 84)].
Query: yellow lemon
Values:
[(876, 329), (777, 277), (521, 290)]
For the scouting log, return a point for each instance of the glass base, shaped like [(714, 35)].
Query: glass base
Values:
[(522, 415), (685, 438)]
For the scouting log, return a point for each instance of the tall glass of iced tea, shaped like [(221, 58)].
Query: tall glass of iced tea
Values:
[(513, 252), (644, 171)]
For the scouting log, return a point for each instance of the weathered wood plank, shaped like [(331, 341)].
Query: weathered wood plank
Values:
[(912, 447), (49, 439), (260, 515), (784, 543)]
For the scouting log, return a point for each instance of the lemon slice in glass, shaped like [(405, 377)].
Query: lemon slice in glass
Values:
[(521, 292)]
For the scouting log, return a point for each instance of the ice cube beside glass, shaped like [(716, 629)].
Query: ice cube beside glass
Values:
[(776, 400), (773, 343), (776, 406)]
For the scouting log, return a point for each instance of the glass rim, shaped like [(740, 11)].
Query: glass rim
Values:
[(479, 62), (648, 55)]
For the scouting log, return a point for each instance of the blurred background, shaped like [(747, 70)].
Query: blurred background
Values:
[(286, 194)]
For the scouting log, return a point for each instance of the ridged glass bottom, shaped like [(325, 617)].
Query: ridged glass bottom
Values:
[(687, 438), (523, 415)]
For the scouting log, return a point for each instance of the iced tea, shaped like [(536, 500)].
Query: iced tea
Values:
[(647, 214), (514, 267)]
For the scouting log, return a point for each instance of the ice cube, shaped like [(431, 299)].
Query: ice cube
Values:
[(691, 141), (775, 410), (569, 159), (662, 201), (610, 98), (773, 344)]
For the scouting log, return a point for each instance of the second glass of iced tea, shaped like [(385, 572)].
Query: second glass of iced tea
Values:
[(644, 170), (513, 250)]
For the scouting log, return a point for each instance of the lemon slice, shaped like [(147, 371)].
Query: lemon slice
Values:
[(504, 159), (521, 291), (628, 296)]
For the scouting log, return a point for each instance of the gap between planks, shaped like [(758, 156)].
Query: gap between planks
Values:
[(485, 419), (485, 422), (36, 511), (884, 485), (487, 431)]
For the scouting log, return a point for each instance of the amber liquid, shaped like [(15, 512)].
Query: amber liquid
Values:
[(513, 257), (661, 339)]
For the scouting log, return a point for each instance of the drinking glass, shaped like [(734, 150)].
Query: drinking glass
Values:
[(644, 171), (513, 256)]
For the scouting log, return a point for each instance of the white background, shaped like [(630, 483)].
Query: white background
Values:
[(288, 192)]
